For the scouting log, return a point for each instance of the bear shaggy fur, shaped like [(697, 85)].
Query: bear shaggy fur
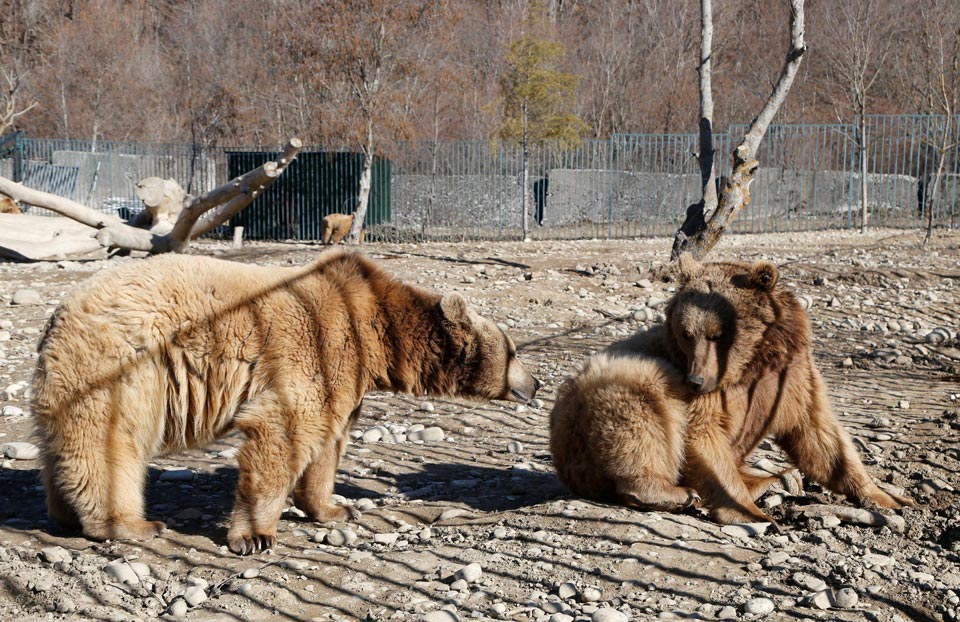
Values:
[(335, 227), (177, 351), (9, 206), (669, 416)]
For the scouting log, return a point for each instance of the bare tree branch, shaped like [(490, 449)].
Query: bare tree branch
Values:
[(198, 216)]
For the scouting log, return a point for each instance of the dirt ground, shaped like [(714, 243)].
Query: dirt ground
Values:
[(485, 494)]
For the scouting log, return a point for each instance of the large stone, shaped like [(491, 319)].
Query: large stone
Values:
[(26, 297), (20, 451)]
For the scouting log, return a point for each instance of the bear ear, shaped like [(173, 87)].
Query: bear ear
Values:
[(689, 268), (763, 275), (454, 308)]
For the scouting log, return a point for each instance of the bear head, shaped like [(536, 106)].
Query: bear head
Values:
[(729, 322), (485, 359)]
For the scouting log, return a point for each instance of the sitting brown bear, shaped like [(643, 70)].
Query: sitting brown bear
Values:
[(671, 414)]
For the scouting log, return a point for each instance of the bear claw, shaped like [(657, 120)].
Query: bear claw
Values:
[(249, 544)]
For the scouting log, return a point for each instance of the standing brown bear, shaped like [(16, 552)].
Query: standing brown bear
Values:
[(335, 227), (177, 351), (670, 415)]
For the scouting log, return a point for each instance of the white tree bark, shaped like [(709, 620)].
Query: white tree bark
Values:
[(363, 195), (197, 216), (700, 231)]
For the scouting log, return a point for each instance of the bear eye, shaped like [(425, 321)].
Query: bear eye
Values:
[(713, 337)]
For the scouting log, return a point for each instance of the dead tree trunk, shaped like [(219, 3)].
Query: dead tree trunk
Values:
[(171, 218), (707, 220)]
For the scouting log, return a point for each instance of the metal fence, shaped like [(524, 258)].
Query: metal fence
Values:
[(626, 186)]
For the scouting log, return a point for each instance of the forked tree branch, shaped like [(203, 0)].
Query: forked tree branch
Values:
[(702, 230)]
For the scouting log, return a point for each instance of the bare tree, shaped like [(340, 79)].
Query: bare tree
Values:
[(175, 217), (858, 36), (365, 61), (707, 220), (12, 105)]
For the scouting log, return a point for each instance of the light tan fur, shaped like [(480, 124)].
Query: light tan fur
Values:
[(741, 344), (175, 352), (617, 432), (335, 227), (9, 206)]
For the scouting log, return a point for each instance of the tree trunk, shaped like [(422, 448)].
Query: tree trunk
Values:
[(942, 151), (525, 194), (700, 232), (363, 199), (862, 148), (198, 215)]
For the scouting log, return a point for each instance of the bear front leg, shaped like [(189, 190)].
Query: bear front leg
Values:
[(712, 471), (314, 489), (819, 446)]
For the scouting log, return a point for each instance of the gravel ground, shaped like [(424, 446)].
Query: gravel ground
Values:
[(469, 522)]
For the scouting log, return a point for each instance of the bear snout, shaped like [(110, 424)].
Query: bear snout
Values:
[(701, 384)]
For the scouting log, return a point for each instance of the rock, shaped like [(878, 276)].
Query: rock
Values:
[(590, 595), (560, 617), (11, 411), (297, 565), (188, 514), (806, 301), (938, 335), (469, 573), (808, 582), (26, 297), (608, 614), (122, 572), (426, 407), (55, 554), (451, 513), (745, 531), (535, 403), (177, 475), (846, 598), (388, 539), (515, 447), (431, 434), (847, 362), (567, 590), (460, 586), (141, 570), (374, 434), (194, 595), (20, 451), (759, 606), (229, 452), (441, 615), (13, 391), (821, 600), (365, 505), (425, 534), (341, 537), (727, 613), (178, 608), (250, 573), (903, 404)]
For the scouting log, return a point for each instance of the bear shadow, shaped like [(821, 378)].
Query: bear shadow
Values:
[(487, 489)]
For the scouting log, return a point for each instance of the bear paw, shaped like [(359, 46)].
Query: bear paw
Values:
[(792, 482), (248, 544)]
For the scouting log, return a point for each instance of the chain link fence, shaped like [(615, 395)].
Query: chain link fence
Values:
[(629, 185)]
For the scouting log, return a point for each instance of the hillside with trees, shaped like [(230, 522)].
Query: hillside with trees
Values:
[(241, 72)]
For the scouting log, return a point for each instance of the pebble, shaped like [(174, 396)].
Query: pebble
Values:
[(229, 452), (806, 301), (567, 590), (20, 451), (469, 573), (26, 297), (560, 617), (515, 447), (177, 475), (590, 595), (821, 600), (56, 554), (745, 530), (759, 606), (296, 565), (178, 608), (441, 615), (365, 505), (938, 335), (12, 411), (451, 513), (374, 434), (122, 571), (427, 407), (535, 403), (426, 435), (846, 598), (608, 614), (388, 539), (808, 582), (194, 595), (251, 573), (341, 537), (727, 613), (13, 391)]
